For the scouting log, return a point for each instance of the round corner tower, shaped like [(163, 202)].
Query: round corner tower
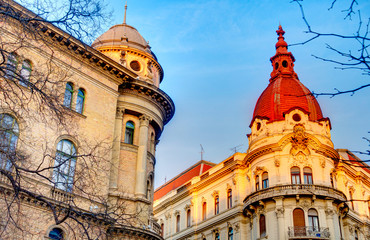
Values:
[(291, 160), (142, 111)]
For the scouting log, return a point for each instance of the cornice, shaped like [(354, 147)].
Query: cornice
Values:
[(152, 93)]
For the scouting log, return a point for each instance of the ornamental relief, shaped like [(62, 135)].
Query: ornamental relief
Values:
[(299, 142)]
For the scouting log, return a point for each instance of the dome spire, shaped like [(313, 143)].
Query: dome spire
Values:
[(124, 18), (281, 45)]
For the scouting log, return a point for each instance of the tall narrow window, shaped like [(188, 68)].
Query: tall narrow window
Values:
[(257, 183), (152, 143), (265, 180), (56, 234), (68, 95), (204, 211), (188, 218), (178, 223), (230, 234), (129, 134), (299, 222), (356, 235), (307, 175), (217, 236), (11, 66), (229, 198), (162, 229), (313, 220), (262, 226), (25, 73), (296, 175), (80, 101), (64, 167), (9, 132), (217, 204), (149, 184)]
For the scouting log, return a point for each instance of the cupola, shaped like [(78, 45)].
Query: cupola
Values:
[(285, 92), (125, 45)]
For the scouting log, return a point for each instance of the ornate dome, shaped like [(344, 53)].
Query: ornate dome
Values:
[(122, 35), (285, 92)]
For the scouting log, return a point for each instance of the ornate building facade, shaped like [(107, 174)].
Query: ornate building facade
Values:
[(86, 121), (290, 184)]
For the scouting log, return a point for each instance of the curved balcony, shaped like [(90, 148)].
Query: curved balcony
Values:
[(308, 233), (294, 190)]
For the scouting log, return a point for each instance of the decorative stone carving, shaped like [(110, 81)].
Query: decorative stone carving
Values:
[(277, 162), (234, 180), (236, 227), (122, 59), (167, 216), (322, 162), (119, 112), (215, 193), (177, 212), (305, 204), (299, 142), (329, 212), (144, 120), (280, 212)]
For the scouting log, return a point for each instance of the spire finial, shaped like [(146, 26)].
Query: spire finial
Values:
[(281, 43), (124, 19)]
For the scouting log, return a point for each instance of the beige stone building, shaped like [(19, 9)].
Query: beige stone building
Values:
[(290, 184), (79, 129)]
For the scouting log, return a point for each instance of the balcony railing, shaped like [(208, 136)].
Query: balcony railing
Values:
[(294, 189), (308, 232)]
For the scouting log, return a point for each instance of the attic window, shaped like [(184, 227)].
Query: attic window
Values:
[(276, 65), (297, 117), (135, 65), (258, 126)]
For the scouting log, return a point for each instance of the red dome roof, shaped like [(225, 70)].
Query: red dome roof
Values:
[(285, 92)]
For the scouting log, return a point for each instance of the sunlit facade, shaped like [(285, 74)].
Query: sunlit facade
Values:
[(290, 184)]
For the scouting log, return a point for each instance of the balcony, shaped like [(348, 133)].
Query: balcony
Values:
[(294, 190), (308, 233)]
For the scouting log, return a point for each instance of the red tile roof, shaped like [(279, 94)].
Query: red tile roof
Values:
[(196, 170)]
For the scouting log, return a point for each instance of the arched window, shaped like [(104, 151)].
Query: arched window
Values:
[(229, 198), (313, 220), (265, 180), (129, 134), (217, 236), (217, 204), (162, 229), (80, 101), (178, 223), (9, 133), (65, 163), (25, 73), (11, 66), (299, 222), (188, 218), (68, 95), (204, 211), (56, 234), (257, 183), (296, 175), (262, 226), (307, 175), (230, 234), (356, 235), (149, 187)]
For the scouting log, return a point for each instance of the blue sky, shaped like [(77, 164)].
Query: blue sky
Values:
[(215, 55)]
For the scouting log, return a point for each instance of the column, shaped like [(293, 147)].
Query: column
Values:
[(279, 210), (140, 188), (329, 212), (117, 137)]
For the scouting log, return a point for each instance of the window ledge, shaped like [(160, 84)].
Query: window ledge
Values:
[(74, 112)]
